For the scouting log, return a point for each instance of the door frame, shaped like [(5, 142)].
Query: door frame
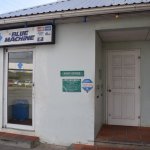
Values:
[(106, 80), (9, 125)]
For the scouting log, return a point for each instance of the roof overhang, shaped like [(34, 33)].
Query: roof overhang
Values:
[(78, 13)]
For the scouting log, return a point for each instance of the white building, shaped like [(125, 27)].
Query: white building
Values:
[(88, 64)]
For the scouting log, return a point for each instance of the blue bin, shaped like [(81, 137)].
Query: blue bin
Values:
[(20, 110)]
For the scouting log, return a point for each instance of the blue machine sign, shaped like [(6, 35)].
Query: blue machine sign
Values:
[(87, 85), (31, 35)]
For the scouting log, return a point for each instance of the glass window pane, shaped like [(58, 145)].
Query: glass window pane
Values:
[(19, 101)]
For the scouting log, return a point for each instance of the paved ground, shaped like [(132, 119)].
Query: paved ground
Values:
[(54, 147), (125, 134), (41, 147), (98, 147)]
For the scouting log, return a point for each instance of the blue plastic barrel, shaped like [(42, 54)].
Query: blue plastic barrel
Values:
[(20, 110)]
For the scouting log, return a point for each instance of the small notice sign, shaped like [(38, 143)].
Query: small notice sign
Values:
[(71, 73), (71, 85), (20, 65), (87, 85)]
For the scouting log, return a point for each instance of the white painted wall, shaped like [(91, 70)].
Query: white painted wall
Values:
[(1, 86), (98, 85), (65, 118)]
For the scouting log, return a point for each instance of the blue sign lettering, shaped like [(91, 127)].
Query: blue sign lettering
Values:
[(21, 33), (19, 38)]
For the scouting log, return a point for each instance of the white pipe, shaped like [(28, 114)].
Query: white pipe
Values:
[(78, 13)]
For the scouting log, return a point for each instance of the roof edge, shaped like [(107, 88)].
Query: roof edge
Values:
[(78, 13)]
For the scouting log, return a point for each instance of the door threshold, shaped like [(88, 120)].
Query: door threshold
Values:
[(18, 131)]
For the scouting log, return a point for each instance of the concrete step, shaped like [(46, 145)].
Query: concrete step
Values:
[(126, 145), (17, 140), (104, 147)]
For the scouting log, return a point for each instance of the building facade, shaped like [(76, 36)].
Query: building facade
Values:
[(69, 71)]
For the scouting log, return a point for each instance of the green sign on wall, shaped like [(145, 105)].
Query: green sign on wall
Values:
[(71, 73), (71, 85)]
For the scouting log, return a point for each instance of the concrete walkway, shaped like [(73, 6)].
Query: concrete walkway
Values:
[(90, 147), (40, 147), (55, 147)]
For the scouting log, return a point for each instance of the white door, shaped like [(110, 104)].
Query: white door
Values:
[(123, 89), (18, 100)]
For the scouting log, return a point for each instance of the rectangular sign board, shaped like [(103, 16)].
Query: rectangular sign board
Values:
[(71, 85), (72, 73), (29, 35)]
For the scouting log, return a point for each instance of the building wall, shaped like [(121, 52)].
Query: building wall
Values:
[(99, 109), (65, 118), (1, 85), (145, 73), (60, 117)]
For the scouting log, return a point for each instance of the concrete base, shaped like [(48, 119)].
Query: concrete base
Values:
[(17, 140), (42, 146), (134, 146), (107, 146)]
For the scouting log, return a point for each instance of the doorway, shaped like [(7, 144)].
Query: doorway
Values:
[(19, 89), (123, 87)]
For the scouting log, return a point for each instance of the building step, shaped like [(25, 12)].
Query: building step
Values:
[(18, 140), (105, 147), (137, 138), (126, 145)]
